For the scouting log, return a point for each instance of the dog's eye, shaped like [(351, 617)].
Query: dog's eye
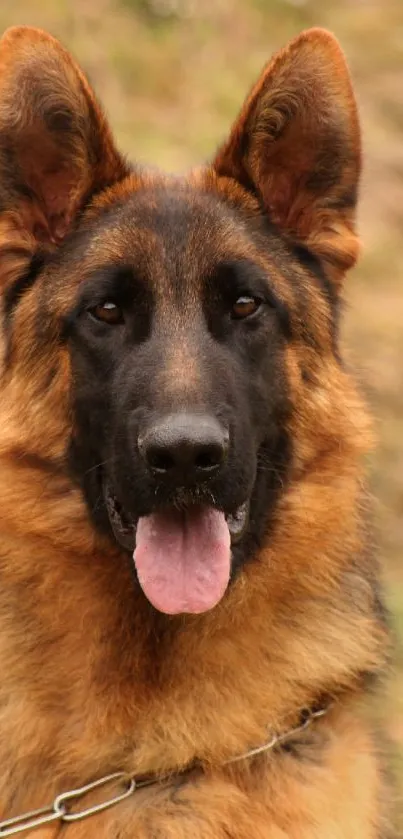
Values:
[(108, 312), (245, 306)]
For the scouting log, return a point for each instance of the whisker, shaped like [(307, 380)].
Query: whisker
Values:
[(98, 465)]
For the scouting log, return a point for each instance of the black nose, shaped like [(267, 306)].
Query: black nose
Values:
[(184, 448)]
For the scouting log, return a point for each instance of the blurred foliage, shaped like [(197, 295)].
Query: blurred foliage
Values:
[(172, 74)]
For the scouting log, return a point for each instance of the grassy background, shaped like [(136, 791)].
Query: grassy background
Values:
[(172, 74)]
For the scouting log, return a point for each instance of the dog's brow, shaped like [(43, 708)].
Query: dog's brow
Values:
[(111, 279)]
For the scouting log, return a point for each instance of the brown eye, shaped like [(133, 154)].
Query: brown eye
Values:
[(244, 307), (108, 312)]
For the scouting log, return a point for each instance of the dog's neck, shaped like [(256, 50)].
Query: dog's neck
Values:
[(90, 669)]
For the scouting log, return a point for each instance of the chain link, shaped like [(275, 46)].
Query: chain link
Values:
[(61, 810), (308, 717)]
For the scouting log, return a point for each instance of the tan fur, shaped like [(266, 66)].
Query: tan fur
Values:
[(93, 680)]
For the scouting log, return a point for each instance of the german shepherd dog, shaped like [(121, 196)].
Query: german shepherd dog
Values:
[(189, 601)]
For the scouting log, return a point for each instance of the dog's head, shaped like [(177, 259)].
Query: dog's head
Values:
[(171, 342)]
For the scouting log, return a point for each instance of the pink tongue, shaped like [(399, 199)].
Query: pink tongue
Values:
[(183, 560)]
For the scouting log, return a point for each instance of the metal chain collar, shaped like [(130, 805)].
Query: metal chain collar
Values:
[(61, 808)]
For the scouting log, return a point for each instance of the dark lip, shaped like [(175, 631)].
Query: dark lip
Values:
[(124, 526)]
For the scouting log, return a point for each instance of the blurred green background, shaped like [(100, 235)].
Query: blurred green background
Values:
[(172, 74)]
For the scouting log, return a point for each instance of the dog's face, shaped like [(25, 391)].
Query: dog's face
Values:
[(190, 323), (179, 344)]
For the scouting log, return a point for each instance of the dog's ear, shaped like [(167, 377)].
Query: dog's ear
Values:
[(55, 146), (296, 145)]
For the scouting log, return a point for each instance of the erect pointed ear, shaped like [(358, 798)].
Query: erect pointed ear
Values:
[(296, 144), (55, 146)]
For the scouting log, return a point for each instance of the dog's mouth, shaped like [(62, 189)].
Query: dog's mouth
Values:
[(182, 556)]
